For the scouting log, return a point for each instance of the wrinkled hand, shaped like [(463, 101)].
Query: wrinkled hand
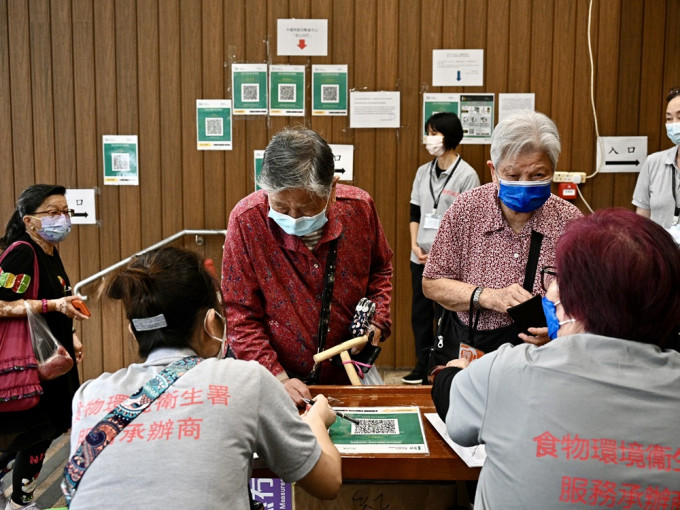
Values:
[(458, 363), (63, 305), (499, 300), (298, 391), (539, 336), (78, 348), (322, 410)]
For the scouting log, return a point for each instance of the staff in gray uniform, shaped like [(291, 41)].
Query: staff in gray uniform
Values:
[(590, 417), (436, 186)]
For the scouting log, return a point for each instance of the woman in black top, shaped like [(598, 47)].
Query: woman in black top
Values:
[(41, 219)]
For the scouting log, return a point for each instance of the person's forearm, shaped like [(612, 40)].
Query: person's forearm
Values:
[(647, 213), (441, 390), (413, 229), (18, 308), (451, 294), (325, 479)]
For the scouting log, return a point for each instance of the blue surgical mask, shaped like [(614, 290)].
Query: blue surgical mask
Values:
[(55, 230), (673, 132), (523, 196), (554, 324), (299, 226)]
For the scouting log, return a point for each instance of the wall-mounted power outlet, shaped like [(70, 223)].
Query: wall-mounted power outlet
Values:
[(575, 177)]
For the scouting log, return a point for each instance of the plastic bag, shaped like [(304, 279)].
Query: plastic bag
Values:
[(53, 358), (372, 378)]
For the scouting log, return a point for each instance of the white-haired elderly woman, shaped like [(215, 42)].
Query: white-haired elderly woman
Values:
[(279, 242), (480, 261)]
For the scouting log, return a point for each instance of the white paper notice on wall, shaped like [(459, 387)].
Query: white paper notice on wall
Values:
[(374, 109), (83, 205), (621, 153), (460, 68), (343, 157), (302, 37), (512, 103)]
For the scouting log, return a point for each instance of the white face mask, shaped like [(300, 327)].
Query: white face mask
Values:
[(435, 145), (223, 341)]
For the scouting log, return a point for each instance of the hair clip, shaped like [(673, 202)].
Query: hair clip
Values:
[(150, 323)]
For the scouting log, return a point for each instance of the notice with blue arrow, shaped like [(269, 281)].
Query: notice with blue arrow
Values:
[(460, 68)]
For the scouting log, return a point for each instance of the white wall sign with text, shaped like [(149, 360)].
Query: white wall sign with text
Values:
[(302, 37), (621, 153), (460, 68), (374, 109)]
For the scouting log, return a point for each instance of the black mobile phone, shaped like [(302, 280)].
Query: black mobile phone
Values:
[(528, 315)]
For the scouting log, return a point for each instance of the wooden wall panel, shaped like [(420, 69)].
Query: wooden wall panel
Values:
[(7, 175), (582, 128), (147, 31), (408, 155), (109, 208), (88, 166), (72, 71), (25, 172), (385, 162), (41, 91), (170, 117)]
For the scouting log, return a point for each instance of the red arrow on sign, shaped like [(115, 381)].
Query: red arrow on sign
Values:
[(302, 44)]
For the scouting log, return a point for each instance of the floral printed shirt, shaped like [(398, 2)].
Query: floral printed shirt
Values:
[(272, 283), (476, 245)]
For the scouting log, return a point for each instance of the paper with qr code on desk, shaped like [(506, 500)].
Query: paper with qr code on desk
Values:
[(380, 430), (473, 456)]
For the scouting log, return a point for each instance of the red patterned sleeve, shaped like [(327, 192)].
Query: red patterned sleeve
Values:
[(243, 301)]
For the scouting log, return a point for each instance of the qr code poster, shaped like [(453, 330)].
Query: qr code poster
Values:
[(436, 102), (476, 116), (120, 160), (329, 90), (287, 90), (213, 124), (379, 430), (249, 89)]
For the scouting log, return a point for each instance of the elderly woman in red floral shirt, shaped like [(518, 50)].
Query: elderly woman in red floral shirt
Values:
[(480, 259), (275, 256)]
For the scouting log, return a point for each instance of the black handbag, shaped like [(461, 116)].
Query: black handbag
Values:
[(451, 331)]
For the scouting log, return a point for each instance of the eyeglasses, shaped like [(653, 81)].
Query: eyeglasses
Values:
[(56, 213), (548, 274)]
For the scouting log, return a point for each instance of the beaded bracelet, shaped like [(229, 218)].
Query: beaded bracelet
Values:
[(44, 305)]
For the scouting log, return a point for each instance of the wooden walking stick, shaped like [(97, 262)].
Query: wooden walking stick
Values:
[(344, 356)]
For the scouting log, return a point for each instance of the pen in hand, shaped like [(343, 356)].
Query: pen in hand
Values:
[(338, 413)]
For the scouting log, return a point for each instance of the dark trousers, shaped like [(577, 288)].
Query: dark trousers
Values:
[(27, 465), (424, 314)]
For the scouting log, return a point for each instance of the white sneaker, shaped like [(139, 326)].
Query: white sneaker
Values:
[(13, 506)]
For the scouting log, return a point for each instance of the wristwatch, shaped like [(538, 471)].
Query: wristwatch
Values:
[(475, 297)]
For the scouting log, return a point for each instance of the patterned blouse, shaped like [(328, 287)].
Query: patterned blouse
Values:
[(476, 245), (272, 283)]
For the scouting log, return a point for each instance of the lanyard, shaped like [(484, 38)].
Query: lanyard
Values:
[(675, 200), (432, 175)]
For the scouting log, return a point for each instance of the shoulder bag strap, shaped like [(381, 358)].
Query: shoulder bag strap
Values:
[(529, 276), (113, 423), (35, 282), (326, 299), (532, 261)]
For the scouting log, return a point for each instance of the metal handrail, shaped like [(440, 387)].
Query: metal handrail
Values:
[(174, 237)]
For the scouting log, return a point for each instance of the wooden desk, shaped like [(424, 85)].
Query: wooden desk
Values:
[(440, 464)]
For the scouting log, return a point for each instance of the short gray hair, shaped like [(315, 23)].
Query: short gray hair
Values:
[(524, 132), (298, 158)]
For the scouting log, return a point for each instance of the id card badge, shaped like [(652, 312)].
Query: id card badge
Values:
[(432, 221), (468, 352)]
